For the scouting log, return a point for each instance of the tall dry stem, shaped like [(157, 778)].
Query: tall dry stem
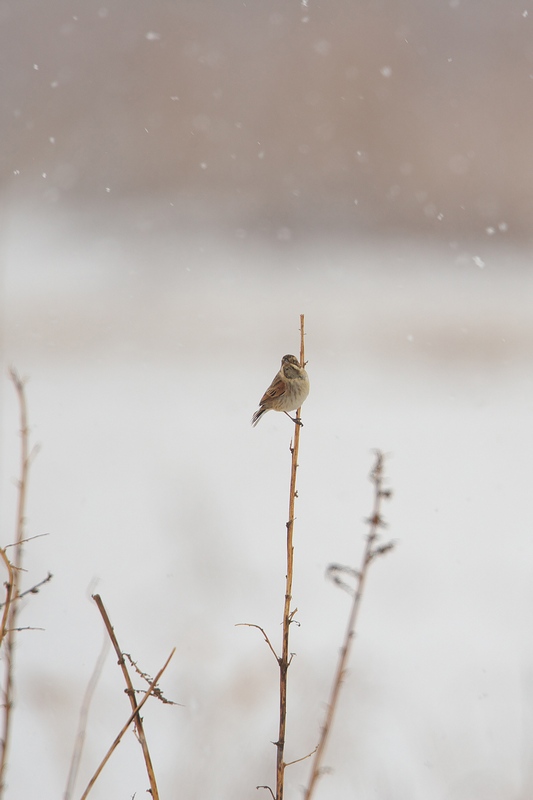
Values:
[(9, 620), (285, 659)]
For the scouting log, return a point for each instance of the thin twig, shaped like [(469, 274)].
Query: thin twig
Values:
[(268, 789), (9, 593), (35, 588), (12, 607), (157, 693), (32, 590), (288, 615), (303, 758), (131, 694), (370, 552), (26, 628), (125, 727), (259, 628), (28, 539)]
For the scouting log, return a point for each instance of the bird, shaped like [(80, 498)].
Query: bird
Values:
[(287, 391)]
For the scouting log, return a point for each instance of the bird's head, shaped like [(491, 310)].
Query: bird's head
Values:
[(290, 360)]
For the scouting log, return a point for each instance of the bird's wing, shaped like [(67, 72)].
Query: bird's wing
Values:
[(276, 389)]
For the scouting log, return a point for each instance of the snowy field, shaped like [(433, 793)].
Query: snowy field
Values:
[(146, 355)]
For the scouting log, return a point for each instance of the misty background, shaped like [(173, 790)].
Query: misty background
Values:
[(179, 182)]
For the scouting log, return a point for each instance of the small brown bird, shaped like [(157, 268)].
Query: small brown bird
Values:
[(287, 391)]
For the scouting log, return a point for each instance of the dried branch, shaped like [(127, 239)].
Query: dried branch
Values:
[(125, 727), (157, 693), (28, 539), (131, 694), (370, 552), (33, 589), (9, 618)]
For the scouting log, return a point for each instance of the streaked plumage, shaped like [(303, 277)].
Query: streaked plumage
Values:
[(287, 391)]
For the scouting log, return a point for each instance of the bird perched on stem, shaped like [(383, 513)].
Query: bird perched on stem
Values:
[(287, 391)]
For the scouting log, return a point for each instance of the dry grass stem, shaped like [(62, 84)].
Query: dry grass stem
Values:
[(288, 615), (125, 727), (82, 723), (371, 551), (9, 617)]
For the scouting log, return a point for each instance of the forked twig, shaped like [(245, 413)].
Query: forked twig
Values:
[(157, 693), (370, 552), (125, 727), (131, 694)]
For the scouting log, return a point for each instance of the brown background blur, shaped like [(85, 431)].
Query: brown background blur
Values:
[(275, 117)]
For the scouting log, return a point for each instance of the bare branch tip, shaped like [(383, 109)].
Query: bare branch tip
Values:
[(267, 788)]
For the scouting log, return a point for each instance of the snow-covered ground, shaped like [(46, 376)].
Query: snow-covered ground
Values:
[(146, 355)]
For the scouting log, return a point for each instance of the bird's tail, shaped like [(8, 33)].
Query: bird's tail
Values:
[(258, 414)]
